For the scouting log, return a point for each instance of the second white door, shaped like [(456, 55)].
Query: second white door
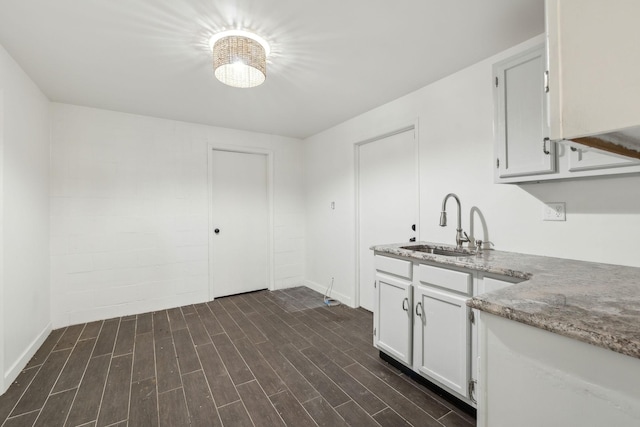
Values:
[(239, 221), (387, 189)]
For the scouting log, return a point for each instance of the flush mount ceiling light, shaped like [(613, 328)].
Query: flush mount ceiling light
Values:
[(239, 58)]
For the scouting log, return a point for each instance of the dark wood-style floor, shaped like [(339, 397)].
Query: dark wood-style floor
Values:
[(260, 359)]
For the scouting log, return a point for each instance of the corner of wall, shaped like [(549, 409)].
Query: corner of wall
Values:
[(344, 299), (24, 218), (138, 241), (14, 370)]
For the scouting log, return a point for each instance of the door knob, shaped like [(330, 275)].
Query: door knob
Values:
[(217, 231)]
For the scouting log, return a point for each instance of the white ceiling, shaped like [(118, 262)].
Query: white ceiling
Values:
[(331, 60)]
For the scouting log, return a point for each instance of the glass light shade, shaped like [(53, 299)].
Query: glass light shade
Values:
[(239, 61)]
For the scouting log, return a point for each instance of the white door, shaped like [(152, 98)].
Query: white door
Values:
[(239, 222), (387, 189)]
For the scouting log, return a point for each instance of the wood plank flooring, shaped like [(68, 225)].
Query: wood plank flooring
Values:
[(268, 359)]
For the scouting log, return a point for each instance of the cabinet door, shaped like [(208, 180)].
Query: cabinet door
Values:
[(586, 160), (594, 64), (442, 347), (520, 108), (392, 317)]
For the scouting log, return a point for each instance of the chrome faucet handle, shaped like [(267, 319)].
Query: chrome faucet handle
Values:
[(466, 239), (479, 244)]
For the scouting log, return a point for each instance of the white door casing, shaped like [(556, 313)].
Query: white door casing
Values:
[(240, 208), (386, 200), (2, 300)]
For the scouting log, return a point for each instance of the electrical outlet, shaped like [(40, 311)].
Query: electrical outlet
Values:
[(554, 211)]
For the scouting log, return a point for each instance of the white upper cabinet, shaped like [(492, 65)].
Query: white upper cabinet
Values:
[(594, 66), (584, 83), (582, 159), (520, 108)]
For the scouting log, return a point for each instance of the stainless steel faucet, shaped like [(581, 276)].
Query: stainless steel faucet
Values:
[(460, 239)]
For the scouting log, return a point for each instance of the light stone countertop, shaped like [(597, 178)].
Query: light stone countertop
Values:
[(591, 302)]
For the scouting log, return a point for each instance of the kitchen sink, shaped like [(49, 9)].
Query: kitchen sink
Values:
[(439, 250)]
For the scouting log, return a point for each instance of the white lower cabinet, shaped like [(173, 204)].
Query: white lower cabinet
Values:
[(442, 327), (441, 338), (393, 322), (483, 283), (535, 378), (421, 320), (393, 300)]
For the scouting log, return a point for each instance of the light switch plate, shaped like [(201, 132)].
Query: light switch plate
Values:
[(554, 211)]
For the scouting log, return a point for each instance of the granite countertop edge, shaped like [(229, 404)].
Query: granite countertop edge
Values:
[(597, 338), (595, 303)]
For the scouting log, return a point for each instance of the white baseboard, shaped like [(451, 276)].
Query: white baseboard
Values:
[(12, 373), (344, 299), (91, 314)]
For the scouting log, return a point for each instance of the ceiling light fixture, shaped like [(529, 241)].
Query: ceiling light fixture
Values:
[(239, 58)]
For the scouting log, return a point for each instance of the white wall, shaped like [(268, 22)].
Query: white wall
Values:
[(24, 218), (455, 118), (129, 212)]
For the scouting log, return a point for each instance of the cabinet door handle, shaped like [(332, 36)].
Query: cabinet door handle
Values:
[(405, 304), (544, 146), (546, 81), (419, 309)]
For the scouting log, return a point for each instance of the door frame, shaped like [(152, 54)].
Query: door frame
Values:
[(3, 371), (413, 125), (211, 147)]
